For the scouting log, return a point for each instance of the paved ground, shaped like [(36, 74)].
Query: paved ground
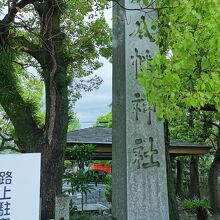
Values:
[(97, 195), (92, 207)]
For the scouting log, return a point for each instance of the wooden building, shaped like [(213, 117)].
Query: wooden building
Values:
[(101, 138)]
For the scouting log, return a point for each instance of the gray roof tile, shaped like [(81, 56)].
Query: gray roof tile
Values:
[(103, 135), (96, 135)]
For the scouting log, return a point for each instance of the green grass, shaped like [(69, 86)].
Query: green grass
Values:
[(192, 205), (82, 215)]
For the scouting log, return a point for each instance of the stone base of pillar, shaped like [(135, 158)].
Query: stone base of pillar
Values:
[(62, 207)]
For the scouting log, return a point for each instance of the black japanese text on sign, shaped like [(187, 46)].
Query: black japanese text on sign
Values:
[(5, 195)]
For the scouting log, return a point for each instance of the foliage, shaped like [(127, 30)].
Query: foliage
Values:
[(95, 177), (191, 128), (104, 162), (73, 121), (205, 163), (108, 191), (192, 205), (189, 78), (6, 131), (79, 181), (104, 120), (88, 37), (67, 163), (81, 215), (82, 154)]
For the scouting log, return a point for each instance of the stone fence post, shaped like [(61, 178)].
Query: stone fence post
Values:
[(62, 207)]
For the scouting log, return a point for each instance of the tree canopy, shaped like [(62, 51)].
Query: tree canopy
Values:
[(48, 48), (104, 120), (185, 73)]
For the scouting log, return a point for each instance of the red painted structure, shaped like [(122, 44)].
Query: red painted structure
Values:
[(106, 168)]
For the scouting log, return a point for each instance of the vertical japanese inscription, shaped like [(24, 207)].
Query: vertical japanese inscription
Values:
[(138, 105), (143, 154), (141, 106), (138, 59), (5, 194)]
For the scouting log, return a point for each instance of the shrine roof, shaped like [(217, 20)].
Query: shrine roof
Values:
[(94, 135), (103, 135)]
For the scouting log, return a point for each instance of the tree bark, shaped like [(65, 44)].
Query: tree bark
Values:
[(56, 108), (179, 179), (56, 122), (214, 191), (213, 180), (194, 191), (53, 150), (173, 207)]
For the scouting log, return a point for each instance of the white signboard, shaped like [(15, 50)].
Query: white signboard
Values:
[(20, 186)]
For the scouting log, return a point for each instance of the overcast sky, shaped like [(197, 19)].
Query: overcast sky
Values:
[(96, 103)]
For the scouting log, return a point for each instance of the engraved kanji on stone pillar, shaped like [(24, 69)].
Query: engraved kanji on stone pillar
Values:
[(138, 59), (143, 154)]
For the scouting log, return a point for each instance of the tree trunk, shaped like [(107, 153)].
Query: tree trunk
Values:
[(173, 207), (56, 122), (214, 191), (179, 179), (51, 178), (53, 148), (201, 213), (194, 192)]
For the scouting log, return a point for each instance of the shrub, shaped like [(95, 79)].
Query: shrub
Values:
[(81, 216), (192, 205), (108, 190)]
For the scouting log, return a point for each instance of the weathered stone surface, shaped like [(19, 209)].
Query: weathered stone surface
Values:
[(139, 166), (102, 218), (62, 207)]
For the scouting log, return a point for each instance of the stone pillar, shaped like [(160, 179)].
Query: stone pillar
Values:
[(62, 207), (138, 157)]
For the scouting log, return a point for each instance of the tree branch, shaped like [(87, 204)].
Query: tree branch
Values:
[(19, 112), (10, 148), (14, 9), (210, 108), (143, 9), (34, 50), (207, 108), (211, 123), (9, 18), (5, 138)]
